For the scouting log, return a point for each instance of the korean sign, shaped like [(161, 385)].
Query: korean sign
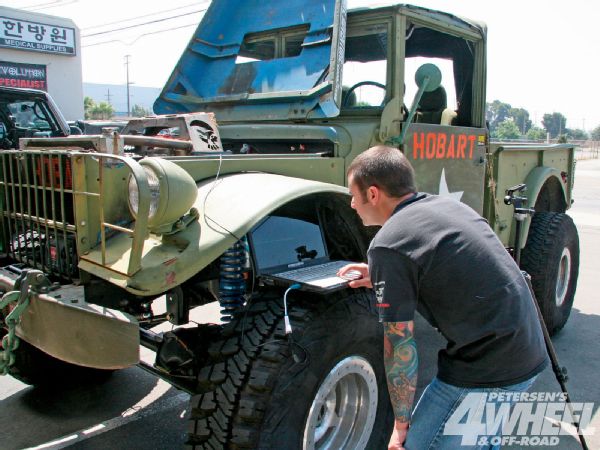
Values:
[(25, 35), (19, 75)]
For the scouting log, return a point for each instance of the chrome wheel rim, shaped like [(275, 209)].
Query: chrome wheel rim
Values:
[(343, 411), (563, 277)]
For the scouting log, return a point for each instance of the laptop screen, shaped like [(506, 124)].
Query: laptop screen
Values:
[(283, 242)]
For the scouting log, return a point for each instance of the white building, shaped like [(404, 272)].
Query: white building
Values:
[(43, 52)]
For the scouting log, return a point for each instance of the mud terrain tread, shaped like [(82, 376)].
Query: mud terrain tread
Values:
[(230, 356), (232, 415), (549, 233)]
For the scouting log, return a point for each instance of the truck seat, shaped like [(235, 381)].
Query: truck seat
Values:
[(431, 106)]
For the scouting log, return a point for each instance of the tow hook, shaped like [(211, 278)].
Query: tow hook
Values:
[(28, 282)]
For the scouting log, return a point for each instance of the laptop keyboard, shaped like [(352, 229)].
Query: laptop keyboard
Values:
[(304, 274)]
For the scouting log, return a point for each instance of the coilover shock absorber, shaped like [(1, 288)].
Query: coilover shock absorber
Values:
[(232, 285)]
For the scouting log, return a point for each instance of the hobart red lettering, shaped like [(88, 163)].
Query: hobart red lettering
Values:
[(462, 144), (430, 148), (443, 145), (471, 145), (418, 145), (450, 152)]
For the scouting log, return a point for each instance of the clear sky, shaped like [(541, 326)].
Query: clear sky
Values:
[(542, 54)]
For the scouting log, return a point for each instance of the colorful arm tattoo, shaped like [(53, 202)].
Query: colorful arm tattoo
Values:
[(401, 364)]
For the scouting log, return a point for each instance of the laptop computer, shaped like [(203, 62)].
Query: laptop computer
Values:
[(289, 251)]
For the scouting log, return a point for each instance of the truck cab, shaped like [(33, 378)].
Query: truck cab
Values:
[(343, 82)]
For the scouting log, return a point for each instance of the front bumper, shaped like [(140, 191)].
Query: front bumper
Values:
[(60, 323)]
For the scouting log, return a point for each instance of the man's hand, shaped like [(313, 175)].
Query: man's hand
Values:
[(398, 436), (358, 273)]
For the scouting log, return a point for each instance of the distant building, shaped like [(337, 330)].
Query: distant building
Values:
[(116, 95), (43, 52)]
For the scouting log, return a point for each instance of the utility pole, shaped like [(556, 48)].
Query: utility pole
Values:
[(128, 83), (108, 96)]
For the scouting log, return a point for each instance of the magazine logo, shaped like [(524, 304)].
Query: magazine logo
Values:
[(517, 418)]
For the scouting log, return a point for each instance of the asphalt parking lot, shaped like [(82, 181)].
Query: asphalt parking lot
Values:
[(135, 410)]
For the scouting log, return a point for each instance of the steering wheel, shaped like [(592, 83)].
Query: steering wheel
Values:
[(357, 85)]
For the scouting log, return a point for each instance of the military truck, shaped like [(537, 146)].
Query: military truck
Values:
[(107, 237), (29, 113)]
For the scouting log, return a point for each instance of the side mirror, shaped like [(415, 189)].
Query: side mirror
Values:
[(428, 78)]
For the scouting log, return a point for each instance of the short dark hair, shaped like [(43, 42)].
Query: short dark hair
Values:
[(386, 168)]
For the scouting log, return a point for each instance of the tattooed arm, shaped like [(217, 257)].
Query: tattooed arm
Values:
[(401, 363)]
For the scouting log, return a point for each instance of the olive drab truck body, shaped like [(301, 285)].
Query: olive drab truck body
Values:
[(107, 236)]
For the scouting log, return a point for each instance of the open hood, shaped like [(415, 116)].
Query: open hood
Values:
[(261, 60)]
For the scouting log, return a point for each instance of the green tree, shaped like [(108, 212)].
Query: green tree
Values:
[(88, 105), (536, 134), (521, 118), (507, 130), (596, 133), (496, 113), (554, 123), (139, 111), (576, 134), (102, 110)]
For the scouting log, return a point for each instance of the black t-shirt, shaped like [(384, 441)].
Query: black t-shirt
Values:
[(438, 256)]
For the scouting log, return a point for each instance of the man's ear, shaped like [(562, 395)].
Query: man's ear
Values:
[(373, 195)]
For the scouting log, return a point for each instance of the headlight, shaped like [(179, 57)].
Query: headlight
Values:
[(134, 193), (172, 193)]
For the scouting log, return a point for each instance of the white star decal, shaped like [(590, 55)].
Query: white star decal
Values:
[(444, 192)]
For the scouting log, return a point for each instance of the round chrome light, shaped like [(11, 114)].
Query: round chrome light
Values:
[(172, 193), (134, 192)]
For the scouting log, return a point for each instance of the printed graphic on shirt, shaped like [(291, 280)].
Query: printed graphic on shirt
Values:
[(379, 291)]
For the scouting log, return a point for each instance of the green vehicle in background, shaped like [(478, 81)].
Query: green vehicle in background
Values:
[(106, 237)]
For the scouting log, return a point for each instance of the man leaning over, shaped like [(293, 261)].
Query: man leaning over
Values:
[(439, 257)]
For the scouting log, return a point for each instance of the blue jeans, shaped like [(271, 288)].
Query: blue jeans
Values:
[(449, 417)]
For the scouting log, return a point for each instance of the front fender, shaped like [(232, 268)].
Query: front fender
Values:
[(229, 208)]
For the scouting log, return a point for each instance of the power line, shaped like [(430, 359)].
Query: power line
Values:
[(140, 36), (142, 24), (42, 4), (141, 17), (56, 4)]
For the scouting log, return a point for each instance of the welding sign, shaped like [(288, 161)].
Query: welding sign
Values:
[(429, 142), (449, 160)]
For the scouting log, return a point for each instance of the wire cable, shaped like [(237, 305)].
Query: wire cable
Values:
[(206, 216), (142, 16), (140, 36), (48, 5), (164, 19), (286, 318)]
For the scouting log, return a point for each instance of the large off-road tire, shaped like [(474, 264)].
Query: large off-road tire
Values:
[(551, 257), (326, 390), (33, 366)]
